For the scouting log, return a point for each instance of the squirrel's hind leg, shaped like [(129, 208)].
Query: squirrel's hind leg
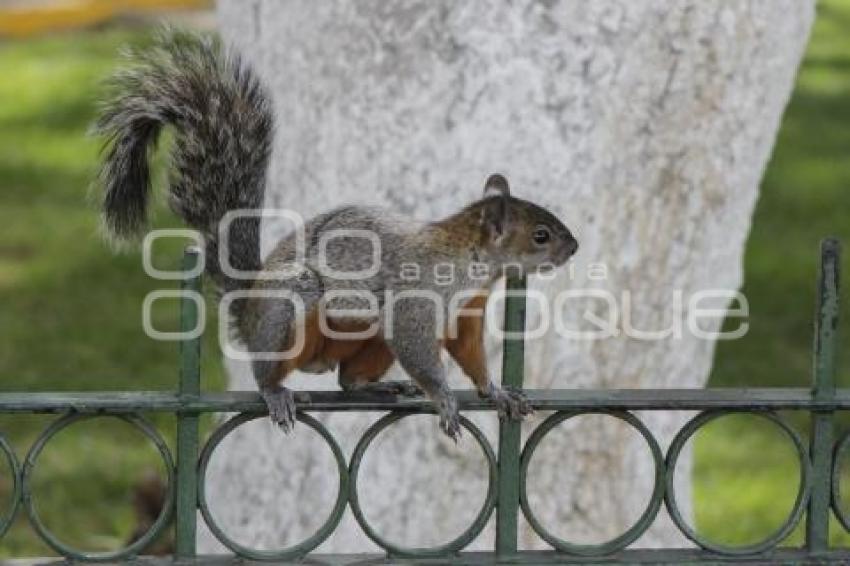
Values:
[(273, 333)]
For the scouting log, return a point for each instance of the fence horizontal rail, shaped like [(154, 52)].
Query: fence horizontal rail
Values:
[(540, 399), (665, 556)]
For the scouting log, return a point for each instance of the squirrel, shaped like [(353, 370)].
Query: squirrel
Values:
[(306, 302)]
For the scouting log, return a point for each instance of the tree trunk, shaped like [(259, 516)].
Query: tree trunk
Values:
[(645, 126)]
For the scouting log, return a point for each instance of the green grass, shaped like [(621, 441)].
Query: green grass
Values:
[(805, 196), (69, 309), (760, 490)]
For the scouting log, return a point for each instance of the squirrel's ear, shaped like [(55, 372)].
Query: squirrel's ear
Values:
[(494, 216), (496, 185)]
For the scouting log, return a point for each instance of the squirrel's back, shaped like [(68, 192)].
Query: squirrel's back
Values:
[(349, 238)]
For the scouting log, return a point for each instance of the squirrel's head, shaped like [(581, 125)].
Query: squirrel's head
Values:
[(521, 232)]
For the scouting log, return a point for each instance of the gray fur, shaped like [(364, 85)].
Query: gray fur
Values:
[(223, 126)]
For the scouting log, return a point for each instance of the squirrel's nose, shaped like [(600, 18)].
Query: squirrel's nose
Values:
[(566, 251), (571, 247)]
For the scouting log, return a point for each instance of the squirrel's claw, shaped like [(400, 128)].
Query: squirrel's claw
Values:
[(281, 404), (510, 403), (449, 416)]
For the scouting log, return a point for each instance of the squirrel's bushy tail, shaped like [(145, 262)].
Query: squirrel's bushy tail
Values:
[(223, 127)]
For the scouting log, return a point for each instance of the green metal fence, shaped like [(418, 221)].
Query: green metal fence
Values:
[(817, 491)]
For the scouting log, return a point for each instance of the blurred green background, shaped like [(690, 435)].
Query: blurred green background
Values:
[(52, 262)]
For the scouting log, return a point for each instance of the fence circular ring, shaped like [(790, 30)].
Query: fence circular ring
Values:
[(147, 429), (637, 529), (690, 428), (454, 545), (840, 449), (15, 469), (296, 550)]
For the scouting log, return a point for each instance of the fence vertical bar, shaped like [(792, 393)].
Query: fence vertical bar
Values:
[(823, 389), (513, 362), (187, 423)]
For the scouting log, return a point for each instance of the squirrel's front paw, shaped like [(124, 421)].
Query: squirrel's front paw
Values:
[(510, 403), (281, 404), (449, 415)]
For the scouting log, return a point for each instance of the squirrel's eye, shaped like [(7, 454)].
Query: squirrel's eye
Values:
[(541, 236)]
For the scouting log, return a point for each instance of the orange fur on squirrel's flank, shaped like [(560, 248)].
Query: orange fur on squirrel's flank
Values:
[(317, 348), (369, 363), (365, 360), (467, 347)]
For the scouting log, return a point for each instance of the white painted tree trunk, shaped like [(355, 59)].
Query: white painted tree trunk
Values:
[(645, 125)]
